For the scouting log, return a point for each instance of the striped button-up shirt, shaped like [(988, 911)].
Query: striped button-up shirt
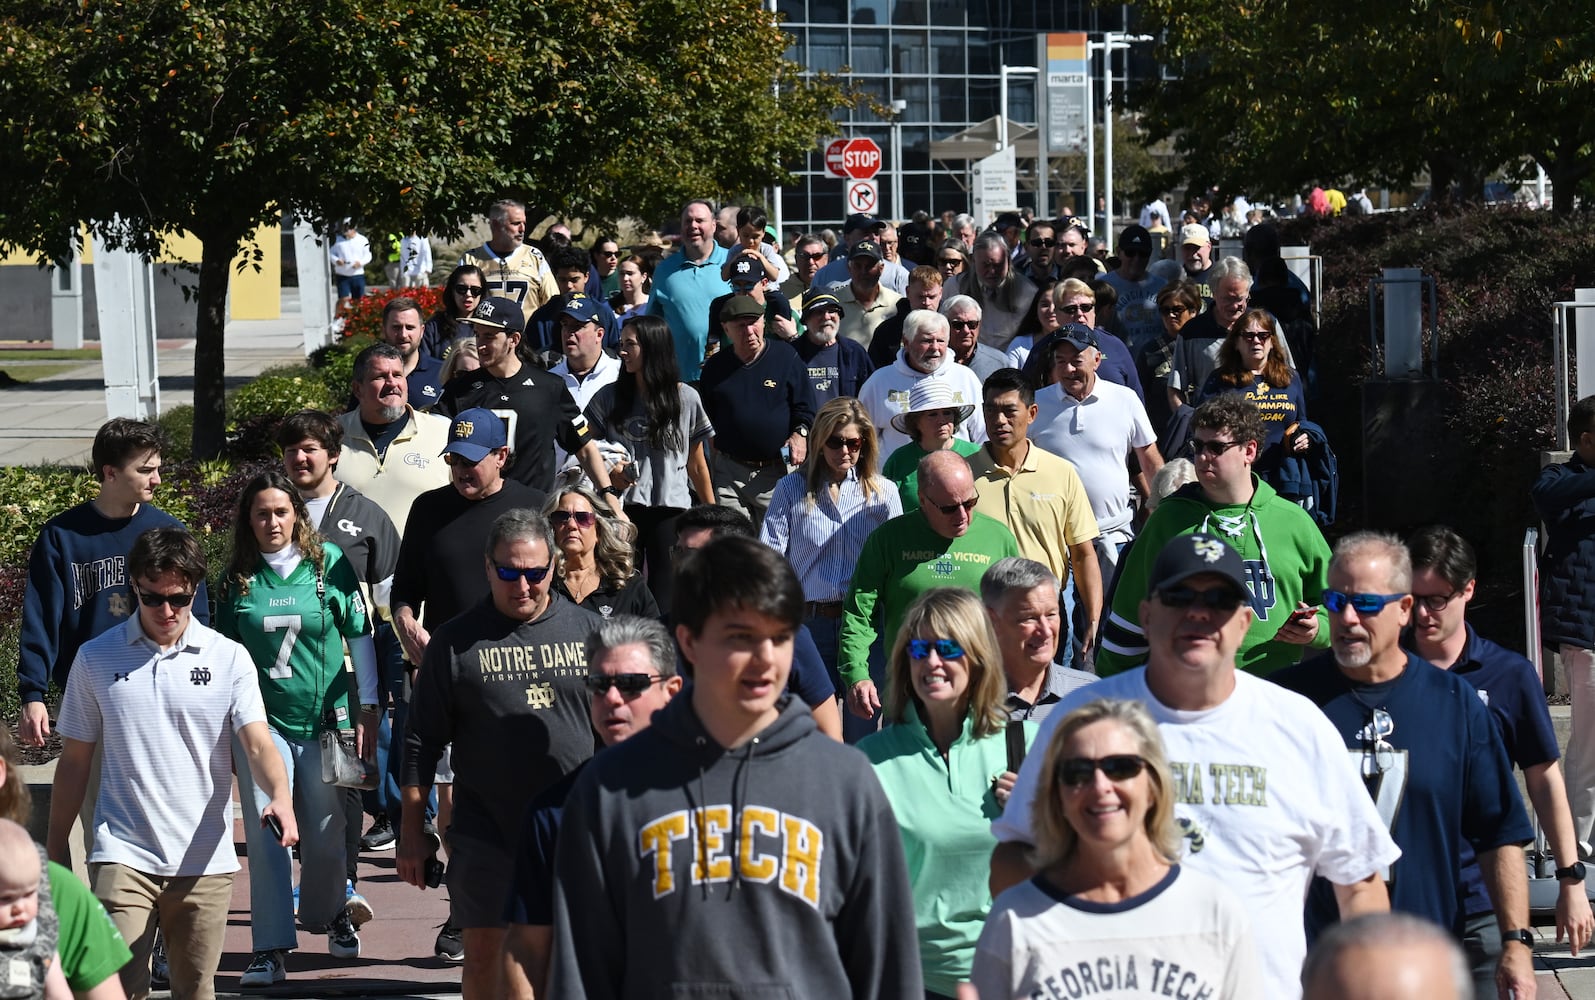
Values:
[(822, 537)]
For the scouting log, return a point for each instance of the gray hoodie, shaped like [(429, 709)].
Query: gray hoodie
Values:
[(806, 894)]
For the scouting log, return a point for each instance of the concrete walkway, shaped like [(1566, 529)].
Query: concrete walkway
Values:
[(53, 420)]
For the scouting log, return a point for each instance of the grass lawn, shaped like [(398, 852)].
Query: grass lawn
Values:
[(12, 350)]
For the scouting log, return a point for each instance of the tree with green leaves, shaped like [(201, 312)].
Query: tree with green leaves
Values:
[(1271, 97), (144, 118)]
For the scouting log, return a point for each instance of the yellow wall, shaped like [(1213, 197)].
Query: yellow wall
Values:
[(255, 294)]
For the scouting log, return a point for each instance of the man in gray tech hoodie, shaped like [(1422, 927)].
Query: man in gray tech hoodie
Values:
[(731, 849)]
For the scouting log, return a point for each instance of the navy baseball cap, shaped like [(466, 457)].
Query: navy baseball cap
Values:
[(1136, 240), (823, 300), (859, 220), (1078, 335), (581, 307), (498, 313), (746, 269), (865, 250), (475, 432), (1185, 556)]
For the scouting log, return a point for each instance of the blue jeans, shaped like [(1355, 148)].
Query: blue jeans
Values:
[(385, 798), (827, 634), (319, 809)]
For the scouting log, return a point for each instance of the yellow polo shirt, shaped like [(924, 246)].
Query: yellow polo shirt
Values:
[(1044, 503), (412, 464), (858, 323)]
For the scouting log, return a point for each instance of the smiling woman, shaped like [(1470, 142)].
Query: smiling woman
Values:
[(1111, 899), (947, 770)]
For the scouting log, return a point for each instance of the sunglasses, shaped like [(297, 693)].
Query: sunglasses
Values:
[(1044, 243), (950, 509), (583, 518), (533, 575), (609, 253), (1078, 309), (1214, 448), (1213, 599), (964, 324), (1077, 771), (1379, 756), (1175, 311), (1255, 335), (947, 649), (951, 262), (474, 291), (1364, 604), (837, 443), (630, 685), (819, 255), (178, 601)]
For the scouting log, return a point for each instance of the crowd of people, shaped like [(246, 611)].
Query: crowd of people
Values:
[(584, 603)]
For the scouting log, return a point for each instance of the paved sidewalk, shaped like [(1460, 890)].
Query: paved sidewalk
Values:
[(53, 420)]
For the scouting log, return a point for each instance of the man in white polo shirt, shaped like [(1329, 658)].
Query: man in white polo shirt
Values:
[(163, 697), (1096, 425)]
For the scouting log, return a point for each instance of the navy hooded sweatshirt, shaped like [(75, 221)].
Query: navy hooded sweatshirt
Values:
[(772, 870)]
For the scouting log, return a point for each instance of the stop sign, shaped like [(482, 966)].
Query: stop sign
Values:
[(859, 159)]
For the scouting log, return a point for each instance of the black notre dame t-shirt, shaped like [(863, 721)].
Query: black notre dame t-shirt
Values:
[(538, 410)]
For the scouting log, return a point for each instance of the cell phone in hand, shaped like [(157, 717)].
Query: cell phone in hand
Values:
[(274, 825)]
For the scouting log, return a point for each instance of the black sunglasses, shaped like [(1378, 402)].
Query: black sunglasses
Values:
[(1214, 598), (533, 574), (629, 685), (952, 508), (583, 518), (1045, 243), (1077, 771), (1214, 448), (474, 290), (837, 443), (178, 601)]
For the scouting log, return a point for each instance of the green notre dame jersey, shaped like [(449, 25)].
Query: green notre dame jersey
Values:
[(295, 636)]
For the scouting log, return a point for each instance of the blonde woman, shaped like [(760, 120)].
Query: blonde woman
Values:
[(820, 515), (944, 764), (595, 556), (1111, 899)]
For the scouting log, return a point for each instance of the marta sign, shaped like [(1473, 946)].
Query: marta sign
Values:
[(859, 159)]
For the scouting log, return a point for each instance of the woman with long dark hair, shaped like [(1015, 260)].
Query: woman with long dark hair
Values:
[(662, 424), (1253, 360), (292, 600), (462, 292), (1040, 319)]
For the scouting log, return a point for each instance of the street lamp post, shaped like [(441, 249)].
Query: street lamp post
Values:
[(898, 107), (1112, 41)]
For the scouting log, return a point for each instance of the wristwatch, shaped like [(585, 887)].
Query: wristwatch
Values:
[(1572, 873), (1522, 936), (802, 430), (611, 490)]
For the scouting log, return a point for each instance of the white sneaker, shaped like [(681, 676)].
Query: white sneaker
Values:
[(342, 941), (265, 969)]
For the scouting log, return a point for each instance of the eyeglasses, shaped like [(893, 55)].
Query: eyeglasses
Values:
[(630, 685), (583, 518), (964, 324), (1077, 771), (1213, 599), (1044, 243), (609, 253), (1379, 756), (178, 601), (1364, 604), (947, 649), (837, 443), (1211, 447), (533, 574), (1435, 602), (1174, 311), (1078, 308), (950, 509), (817, 255), (951, 262), (474, 291), (1255, 335)]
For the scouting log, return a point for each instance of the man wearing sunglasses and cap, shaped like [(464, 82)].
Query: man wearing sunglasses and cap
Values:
[(1284, 552), (503, 682), (1422, 740), (1262, 791), (631, 674)]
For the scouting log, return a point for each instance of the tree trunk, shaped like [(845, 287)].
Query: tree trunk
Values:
[(210, 361)]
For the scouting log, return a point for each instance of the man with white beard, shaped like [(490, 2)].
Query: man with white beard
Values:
[(837, 366)]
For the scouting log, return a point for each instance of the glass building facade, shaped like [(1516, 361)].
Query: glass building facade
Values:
[(942, 58)]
